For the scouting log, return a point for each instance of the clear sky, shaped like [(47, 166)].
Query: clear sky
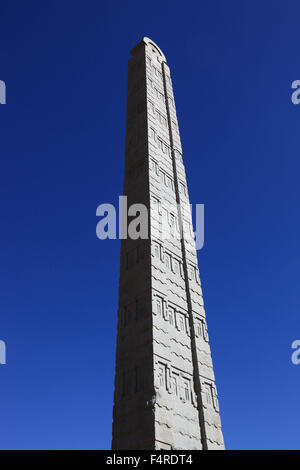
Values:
[(62, 154)]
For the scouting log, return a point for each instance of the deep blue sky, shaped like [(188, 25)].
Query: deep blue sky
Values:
[(62, 154)]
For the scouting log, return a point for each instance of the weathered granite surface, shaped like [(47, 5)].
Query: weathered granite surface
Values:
[(165, 394)]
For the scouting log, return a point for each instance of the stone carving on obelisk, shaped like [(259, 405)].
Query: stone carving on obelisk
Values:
[(165, 393)]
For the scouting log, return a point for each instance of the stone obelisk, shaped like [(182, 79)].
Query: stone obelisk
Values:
[(165, 393)]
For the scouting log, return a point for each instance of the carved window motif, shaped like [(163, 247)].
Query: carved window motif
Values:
[(152, 133), (181, 322), (174, 125), (168, 260), (188, 229), (214, 397), (159, 306), (201, 329), (181, 270), (205, 334), (157, 72), (191, 272), (161, 118), (208, 394), (161, 375), (187, 325), (159, 207), (175, 387), (161, 177), (176, 266), (155, 204), (171, 102), (150, 82), (163, 146), (172, 220), (169, 182), (164, 219), (197, 276), (153, 165), (159, 95), (156, 250), (186, 390), (151, 107), (148, 60), (178, 155), (194, 273), (172, 316), (198, 329), (182, 188)]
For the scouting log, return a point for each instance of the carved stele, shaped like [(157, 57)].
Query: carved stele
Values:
[(165, 394)]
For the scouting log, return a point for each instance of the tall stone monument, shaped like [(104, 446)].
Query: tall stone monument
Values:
[(165, 393)]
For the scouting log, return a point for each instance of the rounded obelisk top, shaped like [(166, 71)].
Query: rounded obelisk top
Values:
[(155, 46), (150, 44)]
